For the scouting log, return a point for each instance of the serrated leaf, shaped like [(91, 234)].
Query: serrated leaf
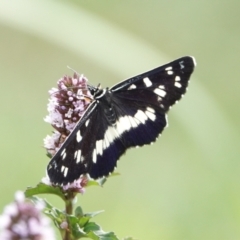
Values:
[(43, 188)]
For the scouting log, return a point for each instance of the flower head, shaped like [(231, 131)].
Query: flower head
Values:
[(78, 186), (23, 220), (66, 106)]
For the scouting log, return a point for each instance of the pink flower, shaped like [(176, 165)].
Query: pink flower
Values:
[(78, 186), (66, 106), (23, 220)]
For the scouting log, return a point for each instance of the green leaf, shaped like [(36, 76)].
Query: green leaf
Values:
[(93, 214), (86, 217), (101, 181), (72, 219), (91, 227), (100, 235), (78, 212), (83, 221), (95, 232), (76, 230), (42, 188)]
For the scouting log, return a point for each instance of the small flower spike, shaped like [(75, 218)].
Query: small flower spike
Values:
[(66, 105)]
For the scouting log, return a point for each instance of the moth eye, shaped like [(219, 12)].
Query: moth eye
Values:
[(92, 91)]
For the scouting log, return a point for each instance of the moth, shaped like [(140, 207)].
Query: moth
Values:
[(129, 114)]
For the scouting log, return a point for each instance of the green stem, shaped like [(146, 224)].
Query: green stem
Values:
[(69, 211)]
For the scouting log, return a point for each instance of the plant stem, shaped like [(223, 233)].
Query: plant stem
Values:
[(69, 211)]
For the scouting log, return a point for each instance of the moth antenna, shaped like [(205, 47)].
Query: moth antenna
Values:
[(76, 72), (73, 70)]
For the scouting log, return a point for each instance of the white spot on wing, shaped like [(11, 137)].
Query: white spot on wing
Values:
[(78, 156), (94, 156), (160, 92), (99, 147), (62, 168), (132, 122), (151, 115), (150, 109), (177, 84), (65, 171), (64, 156), (133, 86), (141, 116), (105, 143), (177, 78), (63, 151), (181, 64), (123, 124), (111, 134), (87, 122), (170, 72), (147, 82), (79, 137), (161, 87), (168, 68)]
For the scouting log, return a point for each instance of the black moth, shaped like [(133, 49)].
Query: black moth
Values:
[(131, 113)]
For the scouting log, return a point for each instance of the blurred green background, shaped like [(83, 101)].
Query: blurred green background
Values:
[(186, 185)]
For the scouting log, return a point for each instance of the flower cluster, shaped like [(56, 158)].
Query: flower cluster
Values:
[(23, 220), (66, 105), (78, 186)]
